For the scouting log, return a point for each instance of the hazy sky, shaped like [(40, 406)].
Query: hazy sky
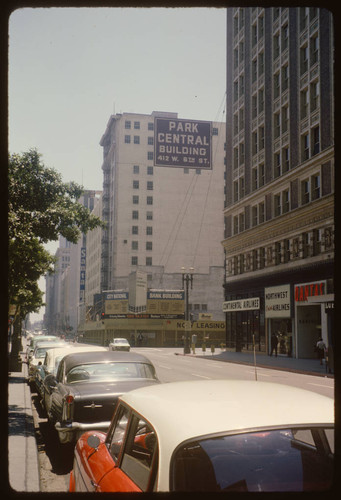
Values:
[(71, 68)]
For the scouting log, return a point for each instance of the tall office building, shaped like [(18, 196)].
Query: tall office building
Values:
[(164, 212), (279, 207)]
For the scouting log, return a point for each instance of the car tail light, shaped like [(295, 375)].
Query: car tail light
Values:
[(69, 399)]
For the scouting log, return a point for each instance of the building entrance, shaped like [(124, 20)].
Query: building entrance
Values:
[(308, 328)]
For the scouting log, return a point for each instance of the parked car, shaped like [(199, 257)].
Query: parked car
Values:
[(37, 357), (208, 436), (119, 345), (85, 390), (50, 366), (39, 338)]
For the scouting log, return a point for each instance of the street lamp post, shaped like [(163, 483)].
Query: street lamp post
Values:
[(187, 278)]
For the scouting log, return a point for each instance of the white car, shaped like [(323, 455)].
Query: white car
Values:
[(39, 338), (50, 367), (38, 355), (119, 345), (211, 436)]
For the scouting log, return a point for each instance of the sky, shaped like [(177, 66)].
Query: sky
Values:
[(70, 69)]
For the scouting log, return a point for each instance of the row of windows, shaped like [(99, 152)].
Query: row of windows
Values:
[(135, 230), (150, 185), (127, 140), (135, 213), (310, 146), (127, 125), (136, 170), (310, 190), (308, 244), (135, 261), (135, 245)]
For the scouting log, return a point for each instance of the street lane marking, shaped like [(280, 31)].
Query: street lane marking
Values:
[(163, 366), (258, 373), (321, 385), (201, 376)]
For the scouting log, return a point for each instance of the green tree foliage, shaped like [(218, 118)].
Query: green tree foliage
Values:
[(41, 207)]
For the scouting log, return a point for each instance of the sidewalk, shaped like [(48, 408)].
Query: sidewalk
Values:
[(23, 471), (307, 366)]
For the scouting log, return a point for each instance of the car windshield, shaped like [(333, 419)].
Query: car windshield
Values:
[(95, 372), (276, 460), (121, 341), (41, 351)]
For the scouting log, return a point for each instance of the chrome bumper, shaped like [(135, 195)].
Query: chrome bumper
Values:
[(71, 432)]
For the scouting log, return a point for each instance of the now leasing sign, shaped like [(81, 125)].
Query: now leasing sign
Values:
[(182, 143)]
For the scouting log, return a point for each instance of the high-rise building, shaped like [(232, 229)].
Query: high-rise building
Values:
[(279, 207), (163, 212)]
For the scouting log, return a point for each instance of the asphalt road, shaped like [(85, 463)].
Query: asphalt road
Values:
[(55, 460)]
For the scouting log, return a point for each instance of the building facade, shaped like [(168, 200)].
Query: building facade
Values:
[(279, 207), (162, 218)]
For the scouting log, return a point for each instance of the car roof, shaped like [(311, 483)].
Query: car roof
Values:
[(79, 358), (52, 345), (69, 349), (181, 411)]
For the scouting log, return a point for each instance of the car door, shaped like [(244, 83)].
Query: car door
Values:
[(57, 392), (134, 451)]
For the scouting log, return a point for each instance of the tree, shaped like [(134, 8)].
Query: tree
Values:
[(40, 208)]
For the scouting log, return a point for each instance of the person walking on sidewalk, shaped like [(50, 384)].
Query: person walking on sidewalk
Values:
[(320, 348), (274, 343)]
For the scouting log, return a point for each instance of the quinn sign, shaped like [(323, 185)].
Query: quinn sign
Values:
[(182, 143)]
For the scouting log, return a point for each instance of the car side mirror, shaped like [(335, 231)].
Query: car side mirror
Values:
[(93, 441)]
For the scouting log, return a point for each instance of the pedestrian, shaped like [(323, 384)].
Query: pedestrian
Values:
[(274, 343), (320, 349)]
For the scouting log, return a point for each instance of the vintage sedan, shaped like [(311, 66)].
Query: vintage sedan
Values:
[(51, 363), (119, 345), (39, 338), (210, 436), (38, 355), (85, 390)]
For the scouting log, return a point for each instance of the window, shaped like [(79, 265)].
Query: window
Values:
[(305, 147), (136, 184), (260, 64), (315, 95), (241, 222), (304, 103), (277, 125), (149, 261), (150, 185), (135, 200), (149, 230), (135, 214), (276, 85), (314, 49), (141, 444), (254, 260), (134, 245), (261, 212), (261, 174), (136, 169), (276, 460), (149, 200), (285, 119), (315, 186), (262, 258), (317, 241), (136, 125), (214, 131), (305, 244), (286, 250), (277, 164), (150, 126), (135, 230), (276, 45), (150, 170), (134, 261), (235, 191), (254, 216), (254, 178), (254, 143), (127, 124), (305, 194), (149, 245), (304, 60), (235, 224), (136, 139), (285, 201), (150, 141), (149, 215), (316, 140), (277, 205), (261, 138), (116, 439), (150, 155), (285, 160), (127, 139), (285, 37), (278, 256)]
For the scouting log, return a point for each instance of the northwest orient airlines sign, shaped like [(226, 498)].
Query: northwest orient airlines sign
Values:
[(182, 143), (241, 305)]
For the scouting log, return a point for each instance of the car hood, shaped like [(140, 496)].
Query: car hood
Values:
[(102, 389)]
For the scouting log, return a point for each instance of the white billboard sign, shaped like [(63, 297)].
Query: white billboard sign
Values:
[(277, 301)]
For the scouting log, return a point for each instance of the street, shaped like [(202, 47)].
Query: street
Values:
[(55, 460)]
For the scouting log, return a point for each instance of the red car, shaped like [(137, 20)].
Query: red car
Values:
[(214, 435)]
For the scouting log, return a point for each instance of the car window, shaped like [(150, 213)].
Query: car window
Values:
[(139, 451), (95, 372), (115, 441), (275, 460)]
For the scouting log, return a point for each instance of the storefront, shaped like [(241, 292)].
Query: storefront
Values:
[(245, 323), (279, 318)]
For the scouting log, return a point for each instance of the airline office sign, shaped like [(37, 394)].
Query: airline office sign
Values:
[(182, 143)]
